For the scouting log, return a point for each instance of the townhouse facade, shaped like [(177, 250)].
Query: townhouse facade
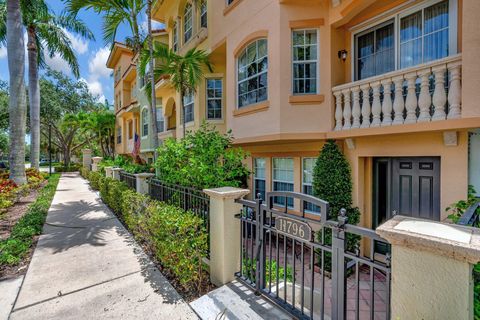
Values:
[(394, 82)]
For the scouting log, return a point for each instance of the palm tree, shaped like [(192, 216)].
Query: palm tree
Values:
[(153, 100), (115, 13), (185, 72), (17, 98), (45, 32)]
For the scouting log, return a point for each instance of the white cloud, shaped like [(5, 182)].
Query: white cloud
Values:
[(79, 45), (98, 70), (3, 52), (58, 64), (97, 66)]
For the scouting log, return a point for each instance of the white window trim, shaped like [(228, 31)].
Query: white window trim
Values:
[(236, 74), (188, 123), (192, 12), (144, 136), (317, 89), (396, 14), (219, 120), (255, 178), (282, 181), (302, 165)]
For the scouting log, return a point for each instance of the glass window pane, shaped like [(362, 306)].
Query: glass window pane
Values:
[(436, 17), (411, 26), (411, 53), (436, 45), (310, 36)]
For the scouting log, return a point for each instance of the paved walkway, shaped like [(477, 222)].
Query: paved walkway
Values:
[(86, 266)]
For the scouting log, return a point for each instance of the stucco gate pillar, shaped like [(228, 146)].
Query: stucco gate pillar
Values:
[(431, 268), (224, 233), (116, 173), (108, 172), (87, 158), (96, 161), (142, 182)]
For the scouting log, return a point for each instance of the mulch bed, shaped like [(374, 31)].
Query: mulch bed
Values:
[(7, 222)]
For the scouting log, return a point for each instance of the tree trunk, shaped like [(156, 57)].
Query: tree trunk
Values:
[(17, 100), (34, 98), (153, 104), (182, 107)]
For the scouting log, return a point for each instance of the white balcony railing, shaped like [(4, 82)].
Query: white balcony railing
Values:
[(423, 93)]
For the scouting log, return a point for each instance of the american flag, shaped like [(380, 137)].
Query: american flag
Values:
[(136, 146)]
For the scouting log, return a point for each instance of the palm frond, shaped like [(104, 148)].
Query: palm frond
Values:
[(57, 41), (73, 24)]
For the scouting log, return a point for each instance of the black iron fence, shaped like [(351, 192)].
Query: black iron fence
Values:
[(471, 216), (189, 199), (129, 179), (313, 267)]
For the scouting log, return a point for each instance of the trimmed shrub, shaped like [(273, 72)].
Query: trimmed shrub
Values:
[(95, 178), (177, 238), (332, 182), (180, 242), (71, 168)]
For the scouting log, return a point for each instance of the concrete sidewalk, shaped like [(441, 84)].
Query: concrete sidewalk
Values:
[(87, 266)]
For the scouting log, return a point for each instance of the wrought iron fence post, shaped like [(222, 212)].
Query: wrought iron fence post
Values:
[(260, 263), (338, 267)]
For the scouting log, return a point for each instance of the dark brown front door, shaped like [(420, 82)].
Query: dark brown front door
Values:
[(406, 186)]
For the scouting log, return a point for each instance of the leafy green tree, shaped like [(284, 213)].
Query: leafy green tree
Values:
[(62, 103), (3, 144), (46, 34), (203, 159), (17, 94), (100, 125), (184, 72), (4, 105)]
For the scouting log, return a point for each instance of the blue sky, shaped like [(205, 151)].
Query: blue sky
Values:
[(92, 55)]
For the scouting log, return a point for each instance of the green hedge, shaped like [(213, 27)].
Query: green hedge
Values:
[(177, 238), (73, 167), (15, 248)]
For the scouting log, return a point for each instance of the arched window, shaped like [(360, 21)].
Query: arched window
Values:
[(252, 64), (145, 122), (187, 22)]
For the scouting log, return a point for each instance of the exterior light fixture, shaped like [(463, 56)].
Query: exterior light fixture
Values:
[(342, 54)]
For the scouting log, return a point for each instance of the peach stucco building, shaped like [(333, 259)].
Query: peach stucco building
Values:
[(395, 82)]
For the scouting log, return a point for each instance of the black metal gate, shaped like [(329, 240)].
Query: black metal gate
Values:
[(312, 267)]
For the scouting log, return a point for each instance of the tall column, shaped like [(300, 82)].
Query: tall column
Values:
[(142, 182), (431, 268), (87, 158), (96, 161), (224, 233)]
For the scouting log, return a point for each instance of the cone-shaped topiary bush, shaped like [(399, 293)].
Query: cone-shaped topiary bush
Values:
[(332, 182), (332, 179)]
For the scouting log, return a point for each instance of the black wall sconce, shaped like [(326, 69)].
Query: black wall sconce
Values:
[(342, 54)]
